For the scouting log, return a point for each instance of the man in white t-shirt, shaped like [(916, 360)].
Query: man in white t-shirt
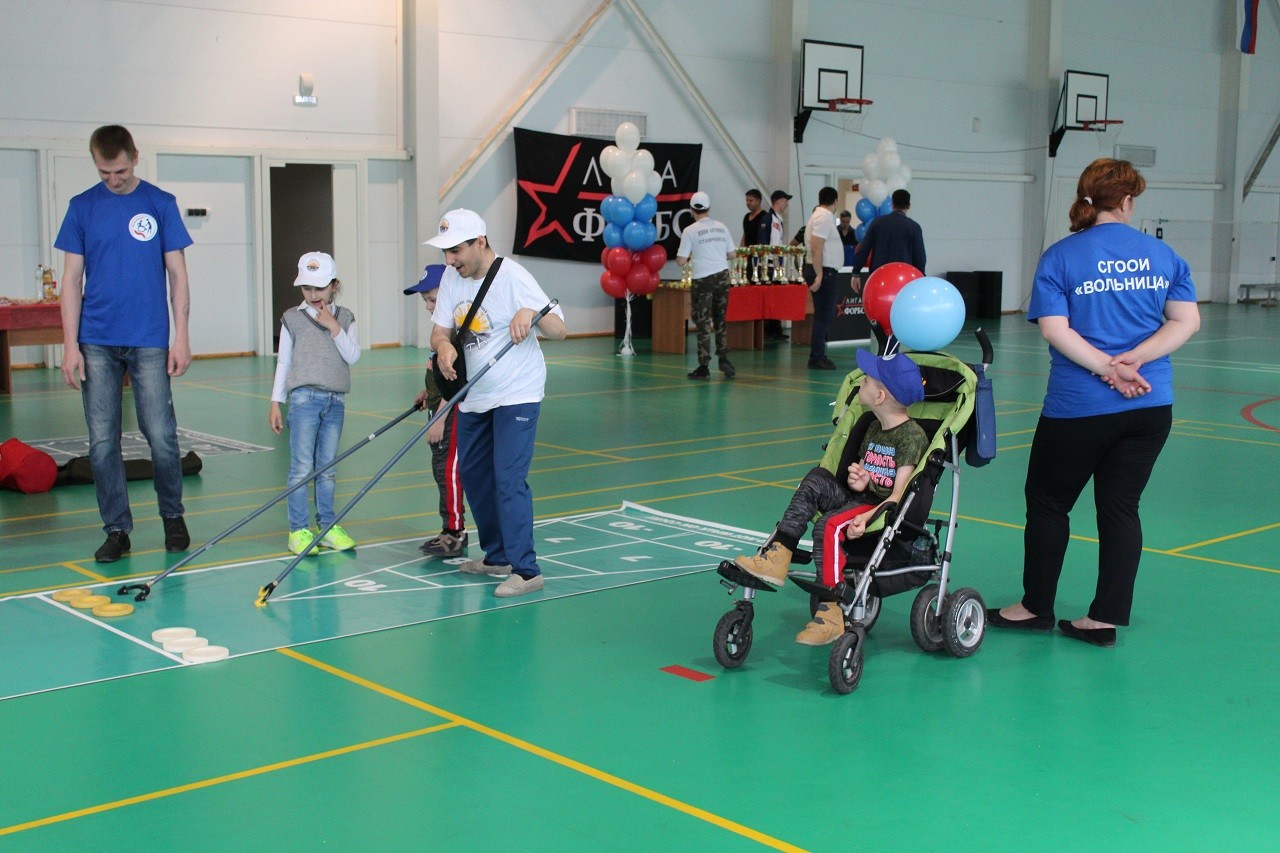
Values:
[(826, 256), (707, 243), (498, 418)]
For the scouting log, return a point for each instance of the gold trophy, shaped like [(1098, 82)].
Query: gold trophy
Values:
[(755, 268), (686, 276)]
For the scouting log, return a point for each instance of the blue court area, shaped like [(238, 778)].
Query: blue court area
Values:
[(387, 585)]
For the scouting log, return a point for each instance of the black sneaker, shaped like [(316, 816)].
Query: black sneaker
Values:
[(445, 545), (821, 364), (700, 373), (116, 546), (727, 368), (176, 537)]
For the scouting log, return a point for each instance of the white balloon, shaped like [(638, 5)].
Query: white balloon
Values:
[(895, 183), (890, 163), (641, 161), (904, 172), (635, 186), (614, 161), (615, 184), (871, 167), (876, 192), (653, 184), (627, 136), (886, 144)]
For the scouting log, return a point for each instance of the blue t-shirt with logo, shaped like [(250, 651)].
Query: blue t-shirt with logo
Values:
[(123, 239), (1111, 282)]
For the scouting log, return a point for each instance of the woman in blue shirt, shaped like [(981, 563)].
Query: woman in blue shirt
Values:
[(1112, 303)]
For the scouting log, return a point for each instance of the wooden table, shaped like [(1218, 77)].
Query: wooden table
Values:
[(26, 325), (749, 307)]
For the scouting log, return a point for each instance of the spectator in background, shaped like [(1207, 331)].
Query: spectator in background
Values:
[(890, 238)]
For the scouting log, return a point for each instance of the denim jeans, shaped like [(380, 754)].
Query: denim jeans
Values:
[(101, 394), (315, 425)]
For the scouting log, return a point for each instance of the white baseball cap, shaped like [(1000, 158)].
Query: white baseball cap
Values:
[(315, 269), (700, 201), (457, 227)]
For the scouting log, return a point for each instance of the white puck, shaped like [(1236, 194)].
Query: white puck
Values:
[(162, 634), (205, 654), (183, 644)]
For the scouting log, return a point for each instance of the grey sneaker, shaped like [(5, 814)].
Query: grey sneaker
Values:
[(516, 585), (444, 545), (480, 567)]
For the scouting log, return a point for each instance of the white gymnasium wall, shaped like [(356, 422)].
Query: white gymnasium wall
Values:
[(20, 251)]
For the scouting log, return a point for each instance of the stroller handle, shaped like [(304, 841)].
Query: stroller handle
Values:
[(983, 341)]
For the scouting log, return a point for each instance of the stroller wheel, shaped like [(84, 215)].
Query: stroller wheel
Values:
[(844, 667), (732, 641), (964, 621), (926, 626)]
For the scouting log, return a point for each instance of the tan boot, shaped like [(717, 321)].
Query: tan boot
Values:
[(826, 627), (771, 566)]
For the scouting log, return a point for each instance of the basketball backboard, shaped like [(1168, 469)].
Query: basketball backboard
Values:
[(829, 70), (1082, 105)]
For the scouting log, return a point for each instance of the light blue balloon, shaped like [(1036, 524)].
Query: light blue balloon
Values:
[(636, 236), (650, 234), (612, 235), (645, 209), (927, 314), (886, 206), (621, 211), (861, 231), (865, 210)]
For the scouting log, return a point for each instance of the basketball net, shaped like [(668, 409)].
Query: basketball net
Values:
[(853, 112), (1108, 131)]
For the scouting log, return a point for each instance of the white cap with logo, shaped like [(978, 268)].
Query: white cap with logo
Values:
[(700, 201), (315, 269), (457, 227)]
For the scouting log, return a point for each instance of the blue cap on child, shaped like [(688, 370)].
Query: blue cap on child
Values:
[(430, 280), (897, 373)]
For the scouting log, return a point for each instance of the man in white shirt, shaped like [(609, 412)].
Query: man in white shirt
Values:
[(826, 255), (707, 243), (498, 418)]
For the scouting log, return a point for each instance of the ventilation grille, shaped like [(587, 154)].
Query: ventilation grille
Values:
[(603, 124), (1142, 156)]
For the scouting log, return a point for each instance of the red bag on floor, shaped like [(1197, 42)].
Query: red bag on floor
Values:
[(25, 469)]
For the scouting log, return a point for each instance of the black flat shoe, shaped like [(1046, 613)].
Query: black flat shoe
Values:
[(1035, 623), (1095, 636)]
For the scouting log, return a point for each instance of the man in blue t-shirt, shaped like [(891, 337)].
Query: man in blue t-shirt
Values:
[(123, 239)]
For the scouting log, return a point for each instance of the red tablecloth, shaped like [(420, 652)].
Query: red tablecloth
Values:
[(784, 301), (40, 315), (745, 303)]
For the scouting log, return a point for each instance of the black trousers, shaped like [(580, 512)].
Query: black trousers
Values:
[(1118, 452)]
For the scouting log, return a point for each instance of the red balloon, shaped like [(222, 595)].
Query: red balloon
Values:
[(650, 284), (638, 279), (654, 257), (618, 261), (604, 257), (882, 287), (613, 284)]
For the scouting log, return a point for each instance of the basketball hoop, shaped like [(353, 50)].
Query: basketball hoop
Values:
[(854, 109), (1108, 131)]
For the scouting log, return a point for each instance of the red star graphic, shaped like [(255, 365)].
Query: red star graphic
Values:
[(539, 228)]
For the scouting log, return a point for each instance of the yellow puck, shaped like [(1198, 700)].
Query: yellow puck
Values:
[(88, 602), (68, 594), (113, 608)]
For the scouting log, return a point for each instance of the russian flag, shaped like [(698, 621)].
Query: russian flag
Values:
[(1249, 27)]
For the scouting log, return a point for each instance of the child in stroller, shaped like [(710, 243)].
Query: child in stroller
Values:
[(871, 473)]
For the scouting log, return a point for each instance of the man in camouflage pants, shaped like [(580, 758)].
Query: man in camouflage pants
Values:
[(708, 244)]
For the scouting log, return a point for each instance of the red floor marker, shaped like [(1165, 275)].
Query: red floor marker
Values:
[(685, 672)]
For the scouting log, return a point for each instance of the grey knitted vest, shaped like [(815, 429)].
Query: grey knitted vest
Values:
[(316, 362)]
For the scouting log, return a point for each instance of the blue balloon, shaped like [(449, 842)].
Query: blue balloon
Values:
[(612, 235), (619, 211), (886, 206), (861, 231), (636, 237), (927, 314), (646, 209), (650, 234), (865, 210)]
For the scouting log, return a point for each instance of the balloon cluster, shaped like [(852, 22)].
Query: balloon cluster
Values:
[(632, 259), (922, 312), (883, 172)]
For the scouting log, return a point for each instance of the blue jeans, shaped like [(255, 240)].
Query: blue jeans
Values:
[(315, 425), (101, 394), (495, 449)]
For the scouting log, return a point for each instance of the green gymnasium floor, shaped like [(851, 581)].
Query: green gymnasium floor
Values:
[(553, 722)]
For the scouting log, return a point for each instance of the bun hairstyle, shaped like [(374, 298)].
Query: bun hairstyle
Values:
[(1102, 186)]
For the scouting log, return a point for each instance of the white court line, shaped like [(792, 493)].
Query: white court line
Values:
[(419, 579), (344, 580), (86, 617)]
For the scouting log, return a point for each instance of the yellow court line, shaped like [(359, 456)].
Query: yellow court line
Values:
[(99, 578), (1180, 549), (563, 761), (218, 780)]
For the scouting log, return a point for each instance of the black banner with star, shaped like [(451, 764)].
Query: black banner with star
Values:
[(559, 187)]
